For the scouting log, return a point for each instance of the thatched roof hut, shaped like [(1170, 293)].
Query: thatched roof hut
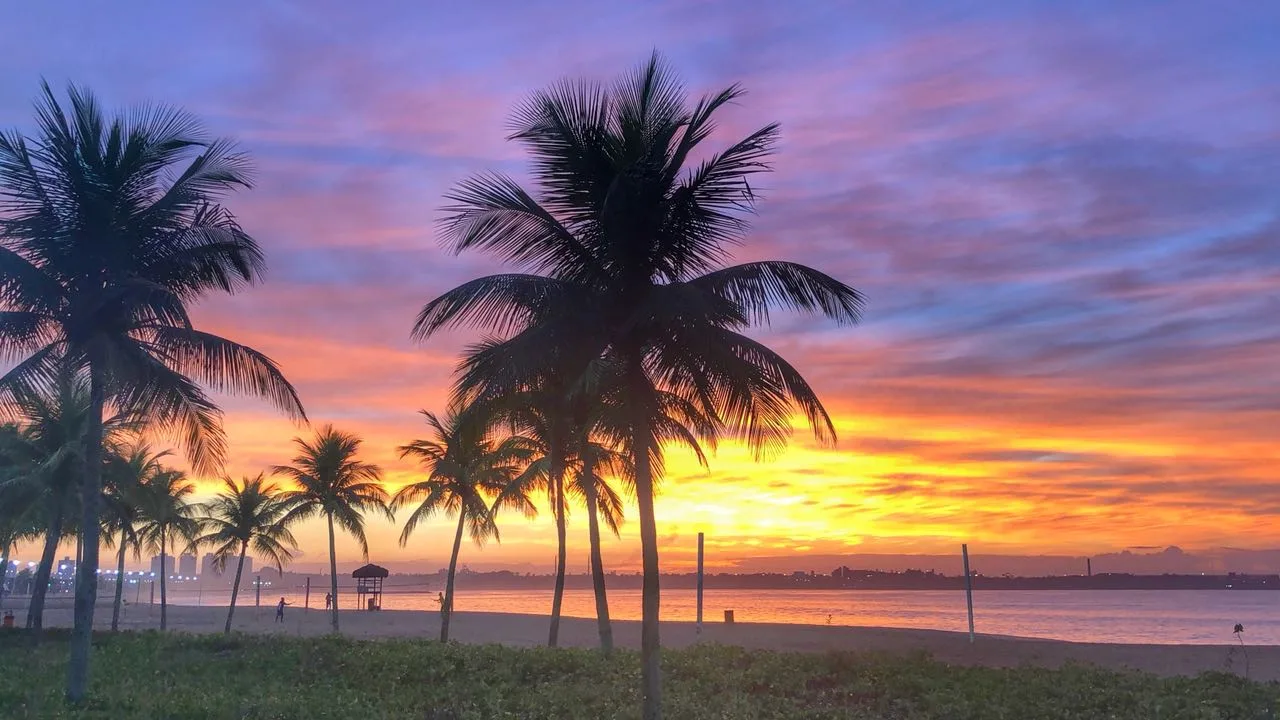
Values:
[(369, 586), (370, 571)]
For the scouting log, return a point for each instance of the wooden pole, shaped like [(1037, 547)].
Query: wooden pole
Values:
[(700, 583), (968, 587), (306, 603), (258, 600)]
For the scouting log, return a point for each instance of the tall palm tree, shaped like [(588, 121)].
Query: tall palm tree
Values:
[(165, 518), (331, 481), (623, 252), (109, 228), (128, 472), (247, 515), (464, 465)]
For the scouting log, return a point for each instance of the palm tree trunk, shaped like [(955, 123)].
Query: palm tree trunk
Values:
[(597, 560), (164, 571), (650, 645), (4, 571), (115, 606), (87, 571), (557, 599), (35, 611), (446, 608), (235, 589), (333, 575)]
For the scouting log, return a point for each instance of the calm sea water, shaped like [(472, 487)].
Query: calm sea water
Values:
[(1120, 616)]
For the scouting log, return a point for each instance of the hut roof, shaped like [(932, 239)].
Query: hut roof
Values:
[(370, 571)]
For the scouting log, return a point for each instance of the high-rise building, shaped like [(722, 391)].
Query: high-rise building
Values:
[(248, 566), (168, 565), (207, 568), (66, 568), (187, 565)]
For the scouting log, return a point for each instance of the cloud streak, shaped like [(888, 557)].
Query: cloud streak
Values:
[(1065, 217)]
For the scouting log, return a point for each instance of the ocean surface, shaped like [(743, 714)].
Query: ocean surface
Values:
[(1103, 616)]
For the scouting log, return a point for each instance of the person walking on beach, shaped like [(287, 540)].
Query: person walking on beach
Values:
[(328, 600), (280, 610)]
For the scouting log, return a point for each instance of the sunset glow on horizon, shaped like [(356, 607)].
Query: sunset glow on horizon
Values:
[(1066, 220)]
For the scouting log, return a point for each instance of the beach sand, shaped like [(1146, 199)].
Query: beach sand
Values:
[(531, 630)]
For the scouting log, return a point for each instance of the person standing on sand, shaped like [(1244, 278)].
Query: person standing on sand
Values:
[(280, 610), (328, 601)]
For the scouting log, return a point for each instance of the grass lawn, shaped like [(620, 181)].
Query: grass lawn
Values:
[(154, 676)]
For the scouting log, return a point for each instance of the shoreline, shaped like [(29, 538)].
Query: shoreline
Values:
[(519, 630)]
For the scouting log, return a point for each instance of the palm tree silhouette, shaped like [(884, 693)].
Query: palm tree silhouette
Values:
[(539, 422), (624, 253), (109, 227), (164, 518), (247, 515), (19, 501), (464, 464), (46, 457), (595, 463), (333, 483), (126, 474)]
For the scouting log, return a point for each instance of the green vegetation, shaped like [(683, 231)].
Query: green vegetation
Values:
[(153, 675)]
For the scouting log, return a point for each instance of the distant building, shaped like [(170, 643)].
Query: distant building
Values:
[(248, 567), (208, 569), (66, 568), (187, 565), (168, 565)]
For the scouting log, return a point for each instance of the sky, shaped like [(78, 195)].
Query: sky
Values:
[(1065, 217)]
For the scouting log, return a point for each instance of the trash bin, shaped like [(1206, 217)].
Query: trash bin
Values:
[(373, 604), (8, 619), (728, 617)]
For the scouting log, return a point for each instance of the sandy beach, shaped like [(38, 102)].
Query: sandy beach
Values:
[(531, 630)]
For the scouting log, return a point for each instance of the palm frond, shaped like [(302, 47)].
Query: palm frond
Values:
[(758, 286), (223, 365)]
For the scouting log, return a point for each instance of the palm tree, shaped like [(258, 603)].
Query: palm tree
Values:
[(19, 505), (127, 474), (165, 517), (15, 527), (623, 252), (538, 419), (332, 482), (247, 516), (45, 458), (464, 465), (109, 228), (594, 462)]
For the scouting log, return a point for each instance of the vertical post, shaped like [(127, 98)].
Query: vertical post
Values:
[(153, 591), (700, 583), (968, 587), (306, 602), (258, 600), (1088, 566)]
